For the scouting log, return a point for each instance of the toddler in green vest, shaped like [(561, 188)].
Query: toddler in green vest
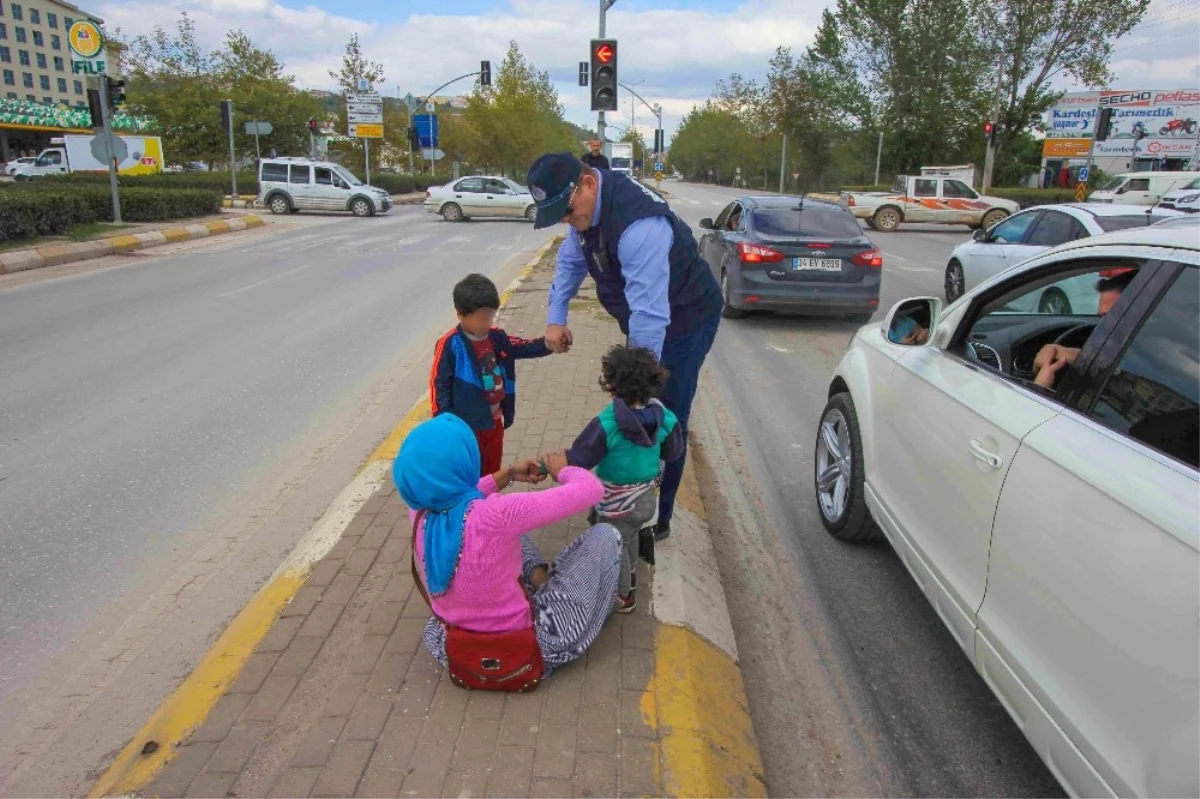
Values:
[(625, 445)]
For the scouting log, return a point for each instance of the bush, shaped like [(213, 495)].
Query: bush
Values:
[(51, 209), (207, 181), (1027, 198)]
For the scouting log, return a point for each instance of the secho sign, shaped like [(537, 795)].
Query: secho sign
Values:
[(1168, 121)]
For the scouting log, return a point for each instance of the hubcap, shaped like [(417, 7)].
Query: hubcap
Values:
[(834, 465), (954, 282)]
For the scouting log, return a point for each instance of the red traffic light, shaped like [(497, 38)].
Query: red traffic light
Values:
[(987, 128), (605, 53)]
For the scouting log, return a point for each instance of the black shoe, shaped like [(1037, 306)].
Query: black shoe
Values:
[(663, 532)]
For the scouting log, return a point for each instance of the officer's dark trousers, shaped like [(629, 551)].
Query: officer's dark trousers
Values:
[(683, 357)]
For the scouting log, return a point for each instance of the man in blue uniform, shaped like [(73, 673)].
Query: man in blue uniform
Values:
[(648, 272)]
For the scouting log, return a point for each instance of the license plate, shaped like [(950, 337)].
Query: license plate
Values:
[(817, 264)]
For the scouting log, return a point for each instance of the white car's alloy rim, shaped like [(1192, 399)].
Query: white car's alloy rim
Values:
[(834, 466)]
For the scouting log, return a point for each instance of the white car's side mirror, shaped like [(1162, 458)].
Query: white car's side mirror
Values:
[(911, 321)]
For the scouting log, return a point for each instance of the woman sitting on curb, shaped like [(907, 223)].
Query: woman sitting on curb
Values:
[(471, 544)]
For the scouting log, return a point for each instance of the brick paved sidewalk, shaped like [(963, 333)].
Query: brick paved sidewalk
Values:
[(341, 698)]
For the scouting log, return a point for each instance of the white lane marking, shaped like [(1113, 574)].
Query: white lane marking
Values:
[(887, 254), (458, 239), (404, 242), (716, 202), (264, 281), (694, 202), (903, 268)]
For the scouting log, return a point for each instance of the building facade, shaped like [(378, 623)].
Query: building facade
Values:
[(35, 68)]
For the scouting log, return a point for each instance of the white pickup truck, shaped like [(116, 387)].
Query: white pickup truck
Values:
[(927, 198)]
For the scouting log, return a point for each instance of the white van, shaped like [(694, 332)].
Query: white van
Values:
[(1141, 188), (1183, 198), (288, 185)]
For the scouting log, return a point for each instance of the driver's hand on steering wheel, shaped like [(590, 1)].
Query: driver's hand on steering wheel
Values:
[(1049, 362)]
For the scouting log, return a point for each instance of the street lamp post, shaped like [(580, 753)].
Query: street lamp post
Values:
[(605, 5), (656, 109)]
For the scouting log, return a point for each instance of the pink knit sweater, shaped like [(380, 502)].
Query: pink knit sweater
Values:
[(484, 595)]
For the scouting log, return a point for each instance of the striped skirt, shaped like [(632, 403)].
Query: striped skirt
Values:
[(572, 606)]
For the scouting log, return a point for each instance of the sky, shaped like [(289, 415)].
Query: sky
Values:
[(672, 52)]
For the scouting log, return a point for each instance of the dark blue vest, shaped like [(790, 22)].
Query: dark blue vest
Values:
[(694, 294)]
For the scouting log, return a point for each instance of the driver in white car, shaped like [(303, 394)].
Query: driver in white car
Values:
[(1053, 357)]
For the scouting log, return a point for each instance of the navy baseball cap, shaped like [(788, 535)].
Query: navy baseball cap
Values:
[(552, 179)]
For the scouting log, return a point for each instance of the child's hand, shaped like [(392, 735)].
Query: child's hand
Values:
[(527, 471), (555, 462)]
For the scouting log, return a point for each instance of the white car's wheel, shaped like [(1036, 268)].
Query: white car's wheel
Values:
[(362, 207), (955, 282), (531, 213), (886, 219), (280, 205), (838, 473), (994, 217), (452, 213)]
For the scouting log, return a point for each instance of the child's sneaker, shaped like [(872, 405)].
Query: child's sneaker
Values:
[(627, 604), (633, 580)]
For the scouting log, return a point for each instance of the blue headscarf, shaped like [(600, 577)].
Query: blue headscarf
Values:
[(437, 471)]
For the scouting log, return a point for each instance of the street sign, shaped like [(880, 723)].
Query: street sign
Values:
[(430, 154), (372, 98), (120, 150), (658, 167), (430, 107), (366, 130), (1080, 191), (371, 118), (1083, 175), (364, 85), (364, 108), (86, 42), (427, 129), (658, 175), (259, 128)]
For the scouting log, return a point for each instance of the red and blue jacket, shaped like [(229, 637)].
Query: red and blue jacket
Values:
[(455, 382)]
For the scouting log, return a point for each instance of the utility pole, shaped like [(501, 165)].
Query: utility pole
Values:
[(878, 157), (408, 109), (989, 159), (106, 122), (604, 6), (783, 164), (367, 158), (1087, 169)]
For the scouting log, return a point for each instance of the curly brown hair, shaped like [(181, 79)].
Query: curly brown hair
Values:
[(632, 375)]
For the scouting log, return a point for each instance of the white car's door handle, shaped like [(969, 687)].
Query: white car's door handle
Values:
[(984, 455)]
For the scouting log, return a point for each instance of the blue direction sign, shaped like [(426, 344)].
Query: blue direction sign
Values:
[(658, 166), (427, 129), (1083, 174)]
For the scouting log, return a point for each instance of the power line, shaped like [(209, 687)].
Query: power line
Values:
[(1154, 41)]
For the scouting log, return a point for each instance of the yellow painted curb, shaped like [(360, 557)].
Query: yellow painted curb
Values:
[(708, 745), (174, 234), (124, 243), (217, 227), (253, 220), (185, 710)]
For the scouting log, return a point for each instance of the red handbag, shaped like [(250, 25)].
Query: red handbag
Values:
[(505, 661)]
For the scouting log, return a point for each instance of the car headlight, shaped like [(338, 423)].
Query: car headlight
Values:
[(1191, 198)]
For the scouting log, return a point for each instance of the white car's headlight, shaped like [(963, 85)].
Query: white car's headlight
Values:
[(1191, 198)]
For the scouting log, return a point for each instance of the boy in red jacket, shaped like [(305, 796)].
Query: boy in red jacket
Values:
[(474, 372)]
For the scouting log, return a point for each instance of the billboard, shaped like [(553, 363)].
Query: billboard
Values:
[(1169, 120)]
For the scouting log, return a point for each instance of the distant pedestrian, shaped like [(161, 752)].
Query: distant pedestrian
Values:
[(649, 277), (594, 157), (475, 369)]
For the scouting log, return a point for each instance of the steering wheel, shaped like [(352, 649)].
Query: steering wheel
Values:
[(1075, 336)]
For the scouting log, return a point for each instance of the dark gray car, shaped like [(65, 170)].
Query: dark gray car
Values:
[(782, 253)]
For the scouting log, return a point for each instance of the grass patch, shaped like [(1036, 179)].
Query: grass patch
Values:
[(84, 232)]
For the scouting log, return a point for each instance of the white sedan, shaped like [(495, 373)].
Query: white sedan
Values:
[(12, 166), (1054, 529), (480, 196), (1035, 230)]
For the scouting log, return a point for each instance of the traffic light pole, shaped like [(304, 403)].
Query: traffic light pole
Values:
[(106, 122), (604, 6), (655, 109), (1081, 187), (434, 94)]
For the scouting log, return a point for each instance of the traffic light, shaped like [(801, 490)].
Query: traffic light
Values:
[(96, 108), (227, 116), (660, 146), (312, 126), (604, 74), (116, 93), (1104, 126), (583, 73), (485, 73), (989, 132), (414, 139)]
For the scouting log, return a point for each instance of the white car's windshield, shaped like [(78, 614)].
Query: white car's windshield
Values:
[(1195, 184), (517, 187), (1113, 184), (348, 176)]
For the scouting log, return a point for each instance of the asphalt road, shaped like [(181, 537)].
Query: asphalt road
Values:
[(921, 721), (157, 418)]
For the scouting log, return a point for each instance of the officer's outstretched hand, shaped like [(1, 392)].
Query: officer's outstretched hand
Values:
[(559, 338)]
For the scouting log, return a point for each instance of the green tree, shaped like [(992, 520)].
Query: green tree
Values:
[(513, 121), (1035, 41), (171, 78), (355, 66)]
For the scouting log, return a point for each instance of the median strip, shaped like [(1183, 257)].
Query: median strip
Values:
[(57, 254)]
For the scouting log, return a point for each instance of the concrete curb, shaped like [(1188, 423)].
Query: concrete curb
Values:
[(697, 696), (57, 254)]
